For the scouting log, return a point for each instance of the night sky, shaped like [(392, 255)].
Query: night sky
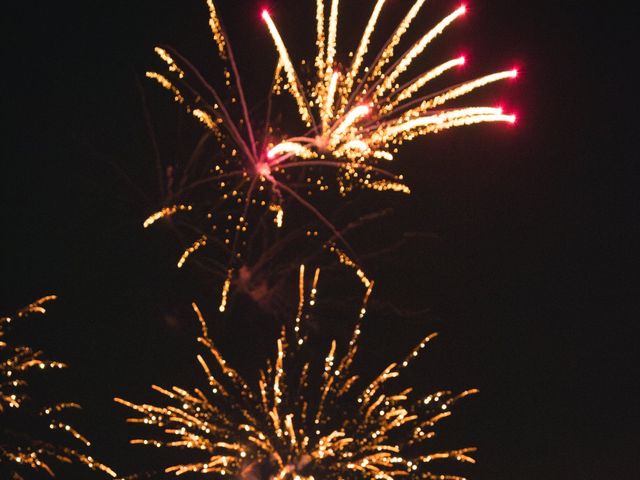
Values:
[(525, 265)]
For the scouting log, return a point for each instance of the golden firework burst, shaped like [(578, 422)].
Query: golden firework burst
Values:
[(303, 420), (357, 115)]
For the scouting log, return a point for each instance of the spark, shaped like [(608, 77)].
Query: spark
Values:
[(396, 187), (225, 292), (416, 85), (296, 428), (364, 44), (346, 260), (167, 85), (164, 213), (295, 149), (216, 29), (419, 47), (355, 114), (293, 83), (278, 220), (328, 109), (168, 59), (201, 242), (320, 42)]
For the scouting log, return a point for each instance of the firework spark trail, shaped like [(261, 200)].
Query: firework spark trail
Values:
[(292, 78), (363, 110), (164, 213), (20, 449), (297, 427)]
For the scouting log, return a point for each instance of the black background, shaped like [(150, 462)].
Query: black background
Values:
[(528, 276)]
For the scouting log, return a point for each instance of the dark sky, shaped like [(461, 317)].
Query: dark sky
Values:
[(528, 273)]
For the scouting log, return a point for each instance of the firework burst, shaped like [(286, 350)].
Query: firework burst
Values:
[(302, 420), (252, 179), (18, 448), (356, 114)]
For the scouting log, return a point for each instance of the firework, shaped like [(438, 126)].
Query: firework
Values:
[(244, 183), (358, 115), (18, 447), (236, 187), (303, 420)]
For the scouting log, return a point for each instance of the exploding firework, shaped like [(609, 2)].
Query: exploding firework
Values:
[(303, 420), (231, 193), (358, 115), (20, 450)]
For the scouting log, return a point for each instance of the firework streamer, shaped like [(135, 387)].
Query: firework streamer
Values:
[(305, 417), (24, 453)]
